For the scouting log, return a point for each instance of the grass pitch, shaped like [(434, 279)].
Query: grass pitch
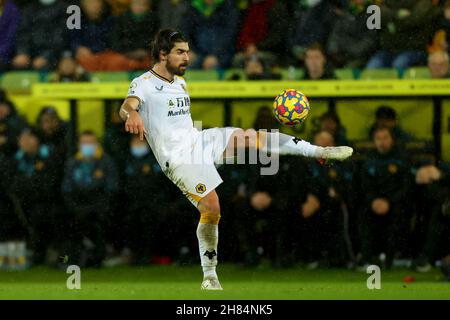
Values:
[(173, 282)]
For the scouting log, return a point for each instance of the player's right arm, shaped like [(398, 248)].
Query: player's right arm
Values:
[(133, 121)]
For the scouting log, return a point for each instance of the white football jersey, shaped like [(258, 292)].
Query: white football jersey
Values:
[(165, 111)]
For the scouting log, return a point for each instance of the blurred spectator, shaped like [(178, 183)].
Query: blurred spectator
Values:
[(55, 133), (331, 123), (93, 43), (328, 199), (149, 217), (433, 216), (89, 186), (273, 214), (11, 124), (116, 139), (68, 71), (33, 185), (387, 117), (234, 205), (256, 69), (171, 13), (42, 35), (446, 23), (272, 206), (210, 27), (11, 227), (263, 31), (90, 43), (441, 38), (314, 24), (9, 23), (401, 19), (350, 43), (133, 32), (265, 119), (384, 222), (119, 7), (316, 64), (438, 63)]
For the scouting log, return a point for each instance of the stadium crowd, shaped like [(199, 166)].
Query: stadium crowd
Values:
[(103, 202), (254, 34), (107, 202)]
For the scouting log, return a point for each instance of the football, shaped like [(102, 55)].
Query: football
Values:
[(291, 107)]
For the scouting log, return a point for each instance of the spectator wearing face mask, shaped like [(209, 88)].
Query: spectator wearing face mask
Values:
[(89, 187)]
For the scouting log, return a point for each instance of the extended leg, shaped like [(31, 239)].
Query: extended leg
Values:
[(283, 144)]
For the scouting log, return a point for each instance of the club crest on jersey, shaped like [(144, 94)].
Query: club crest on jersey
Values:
[(170, 104), (200, 188)]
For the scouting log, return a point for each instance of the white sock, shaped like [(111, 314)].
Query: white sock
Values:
[(208, 238), (289, 145)]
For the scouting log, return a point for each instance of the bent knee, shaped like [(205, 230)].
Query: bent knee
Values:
[(210, 204)]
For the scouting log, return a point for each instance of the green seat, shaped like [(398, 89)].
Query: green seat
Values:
[(110, 77), (379, 74), (293, 74), (19, 81), (49, 77), (417, 73), (135, 74), (201, 75), (344, 74)]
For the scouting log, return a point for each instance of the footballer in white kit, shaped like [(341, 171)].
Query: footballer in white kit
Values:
[(186, 155), (157, 107)]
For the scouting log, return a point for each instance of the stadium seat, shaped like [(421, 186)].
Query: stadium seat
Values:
[(135, 74), (48, 77), (298, 74), (19, 81), (378, 74), (201, 75), (110, 77), (344, 74), (417, 73)]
